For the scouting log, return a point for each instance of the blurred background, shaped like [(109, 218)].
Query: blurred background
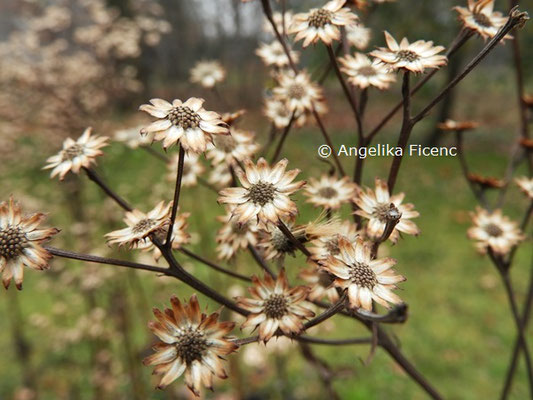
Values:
[(79, 331)]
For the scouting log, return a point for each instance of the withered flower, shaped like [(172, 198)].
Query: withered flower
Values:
[(495, 231), (457, 126), (357, 35), (233, 236), (276, 111), (379, 206), (526, 185), (77, 154), (275, 306), (298, 92), (264, 194), (364, 278), (322, 23), (207, 73), (20, 242), (186, 123), (141, 226), (481, 18), (330, 192), (486, 182), (363, 72), (180, 236), (273, 55), (191, 343), (327, 245), (415, 57), (238, 146), (320, 284)]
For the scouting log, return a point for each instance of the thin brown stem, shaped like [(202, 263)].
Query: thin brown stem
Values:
[(407, 128), (328, 141), (282, 139), (211, 264), (288, 234), (330, 312), (93, 176), (177, 190), (351, 99)]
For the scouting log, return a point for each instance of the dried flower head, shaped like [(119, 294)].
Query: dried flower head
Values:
[(526, 185), (486, 182), (191, 343), (298, 92), (415, 57), (277, 112), (20, 242), (232, 236), (76, 154), (220, 176), (275, 306), (481, 18), (264, 194), (457, 126), (274, 245), (357, 35), (363, 72), (141, 226), (325, 246), (180, 236), (233, 148), (186, 123), (273, 54), (230, 118), (132, 137), (320, 284), (207, 73), (364, 278), (495, 231), (322, 23), (330, 192), (192, 169), (379, 207)]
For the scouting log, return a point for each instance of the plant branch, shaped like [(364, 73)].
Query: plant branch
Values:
[(177, 190), (213, 265), (93, 176)]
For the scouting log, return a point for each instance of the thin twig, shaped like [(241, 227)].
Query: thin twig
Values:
[(288, 234), (213, 265), (177, 190), (282, 139), (93, 176)]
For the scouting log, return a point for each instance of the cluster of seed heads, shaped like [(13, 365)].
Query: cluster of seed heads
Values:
[(386, 212), (143, 225), (362, 275), (327, 192), (407, 55), (319, 18), (191, 344), (275, 306), (262, 193), (12, 241), (493, 230), (183, 116), (71, 152)]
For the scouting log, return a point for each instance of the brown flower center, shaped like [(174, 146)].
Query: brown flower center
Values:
[(239, 229), (407, 55), (367, 71), (12, 242), (296, 91), (143, 225), (281, 243), (319, 18), (225, 143), (261, 193), (386, 212), (185, 117), (493, 230), (191, 344), (363, 276), (482, 20), (276, 306), (73, 151), (327, 192)]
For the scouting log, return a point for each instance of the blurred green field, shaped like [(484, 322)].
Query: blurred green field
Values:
[(459, 332)]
